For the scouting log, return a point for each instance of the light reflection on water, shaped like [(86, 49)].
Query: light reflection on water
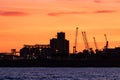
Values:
[(59, 73)]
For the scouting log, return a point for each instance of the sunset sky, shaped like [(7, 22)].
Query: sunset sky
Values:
[(37, 21)]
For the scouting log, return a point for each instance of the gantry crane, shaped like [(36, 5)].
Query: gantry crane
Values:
[(75, 45)]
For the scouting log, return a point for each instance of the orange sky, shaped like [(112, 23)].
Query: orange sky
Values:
[(37, 21)]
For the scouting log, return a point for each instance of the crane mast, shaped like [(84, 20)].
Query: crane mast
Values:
[(75, 45)]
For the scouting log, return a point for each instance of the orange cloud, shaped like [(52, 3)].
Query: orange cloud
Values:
[(97, 1), (118, 1), (61, 13), (104, 11), (12, 13), (82, 12)]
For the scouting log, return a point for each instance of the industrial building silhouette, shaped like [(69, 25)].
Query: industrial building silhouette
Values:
[(58, 47), (60, 44)]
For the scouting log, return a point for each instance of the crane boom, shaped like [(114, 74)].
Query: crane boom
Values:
[(95, 43), (85, 40), (106, 46), (75, 45), (105, 37)]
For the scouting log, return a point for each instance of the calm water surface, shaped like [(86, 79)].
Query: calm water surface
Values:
[(59, 73)]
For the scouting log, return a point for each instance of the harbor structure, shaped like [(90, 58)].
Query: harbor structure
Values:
[(60, 45)]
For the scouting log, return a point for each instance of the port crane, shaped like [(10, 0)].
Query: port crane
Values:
[(95, 43), (85, 40), (106, 46), (75, 45)]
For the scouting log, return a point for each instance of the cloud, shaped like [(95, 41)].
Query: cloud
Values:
[(118, 1), (12, 13), (97, 1), (104, 11), (63, 13), (82, 12)]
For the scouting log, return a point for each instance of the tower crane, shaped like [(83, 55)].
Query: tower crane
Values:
[(75, 45)]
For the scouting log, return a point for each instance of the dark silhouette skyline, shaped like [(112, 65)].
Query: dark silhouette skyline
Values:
[(56, 54)]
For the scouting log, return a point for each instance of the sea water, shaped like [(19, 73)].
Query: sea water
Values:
[(59, 73)]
